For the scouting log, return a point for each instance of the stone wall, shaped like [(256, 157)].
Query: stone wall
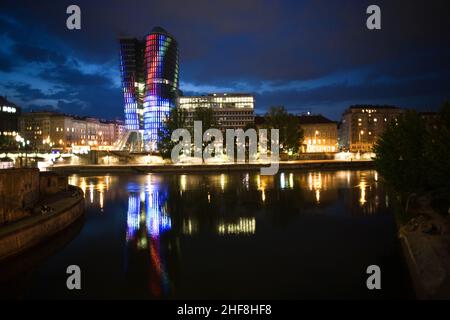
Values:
[(24, 235), (19, 191), (50, 183)]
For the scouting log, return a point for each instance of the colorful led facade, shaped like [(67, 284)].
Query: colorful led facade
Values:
[(149, 70), (133, 82), (161, 86)]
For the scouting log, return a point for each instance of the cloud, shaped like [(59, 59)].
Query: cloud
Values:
[(25, 92), (50, 75), (6, 63), (32, 53), (303, 54), (71, 105)]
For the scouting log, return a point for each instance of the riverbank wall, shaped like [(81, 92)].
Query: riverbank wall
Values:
[(425, 241), (205, 168), (17, 237)]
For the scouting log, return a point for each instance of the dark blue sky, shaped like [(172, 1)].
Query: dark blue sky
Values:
[(306, 55)]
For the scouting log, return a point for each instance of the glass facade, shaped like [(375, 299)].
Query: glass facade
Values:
[(219, 101), (161, 86), (149, 70), (131, 69), (230, 110)]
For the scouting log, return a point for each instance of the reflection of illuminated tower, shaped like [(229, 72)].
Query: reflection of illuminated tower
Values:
[(147, 220), (155, 218), (133, 215), (149, 71), (161, 87)]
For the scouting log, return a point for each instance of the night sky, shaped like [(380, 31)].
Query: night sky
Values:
[(313, 55)]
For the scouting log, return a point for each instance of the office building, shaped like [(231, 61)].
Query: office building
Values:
[(230, 110), (362, 125), (319, 134), (149, 70), (54, 130)]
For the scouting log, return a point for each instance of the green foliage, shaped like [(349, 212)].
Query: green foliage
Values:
[(250, 125), (291, 135), (414, 155), (206, 116), (8, 143), (400, 153), (437, 151), (175, 120)]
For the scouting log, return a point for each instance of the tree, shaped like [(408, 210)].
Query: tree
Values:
[(206, 116), (414, 155), (250, 125), (291, 135), (175, 120), (8, 143), (437, 151), (400, 153)]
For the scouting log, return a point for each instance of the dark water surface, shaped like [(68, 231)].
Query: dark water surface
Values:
[(239, 235)]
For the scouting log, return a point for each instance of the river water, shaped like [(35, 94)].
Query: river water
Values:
[(231, 235)]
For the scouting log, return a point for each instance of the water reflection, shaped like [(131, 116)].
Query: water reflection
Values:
[(149, 195), (245, 226), (163, 213), (362, 187), (96, 184), (315, 184), (16, 273), (147, 221), (286, 180)]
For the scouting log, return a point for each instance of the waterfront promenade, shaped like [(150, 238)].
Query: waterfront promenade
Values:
[(199, 168)]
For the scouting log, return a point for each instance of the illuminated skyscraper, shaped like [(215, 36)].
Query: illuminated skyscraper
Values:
[(133, 82), (149, 70), (161, 86)]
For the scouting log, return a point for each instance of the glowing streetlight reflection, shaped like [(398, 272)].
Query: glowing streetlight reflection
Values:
[(315, 184), (261, 183), (91, 192), (183, 182), (245, 226), (222, 181), (362, 189)]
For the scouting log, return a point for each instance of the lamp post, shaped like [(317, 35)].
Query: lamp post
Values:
[(101, 137), (316, 133), (361, 133), (18, 140)]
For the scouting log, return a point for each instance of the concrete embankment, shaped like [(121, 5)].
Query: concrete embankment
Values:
[(66, 208), (203, 168), (426, 244)]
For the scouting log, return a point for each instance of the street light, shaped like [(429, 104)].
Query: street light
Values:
[(101, 136), (316, 133), (361, 133)]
